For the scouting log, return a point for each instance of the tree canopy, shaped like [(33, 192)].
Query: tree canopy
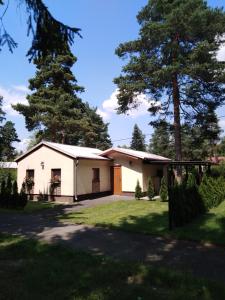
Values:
[(49, 35), (174, 62), (54, 109), (198, 142), (8, 136)]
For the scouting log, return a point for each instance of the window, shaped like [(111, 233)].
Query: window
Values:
[(96, 173), (56, 182), (30, 174)]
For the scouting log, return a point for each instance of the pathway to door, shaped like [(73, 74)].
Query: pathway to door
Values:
[(201, 260)]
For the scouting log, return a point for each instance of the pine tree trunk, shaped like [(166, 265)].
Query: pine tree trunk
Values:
[(177, 126)]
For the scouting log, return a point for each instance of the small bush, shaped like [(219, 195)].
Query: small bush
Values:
[(163, 193), (212, 191), (22, 197), (9, 197), (150, 191), (138, 191)]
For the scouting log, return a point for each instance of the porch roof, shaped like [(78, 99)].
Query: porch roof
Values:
[(136, 154)]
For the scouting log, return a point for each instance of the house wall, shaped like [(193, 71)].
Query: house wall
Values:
[(131, 170), (134, 169), (85, 176), (52, 160), (151, 171)]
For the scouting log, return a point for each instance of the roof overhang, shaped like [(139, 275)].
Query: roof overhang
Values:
[(46, 144)]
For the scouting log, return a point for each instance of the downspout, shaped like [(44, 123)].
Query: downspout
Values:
[(76, 163)]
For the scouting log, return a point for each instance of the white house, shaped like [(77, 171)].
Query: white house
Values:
[(74, 173)]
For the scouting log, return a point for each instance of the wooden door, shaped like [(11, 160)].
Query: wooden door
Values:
[(117, 180)]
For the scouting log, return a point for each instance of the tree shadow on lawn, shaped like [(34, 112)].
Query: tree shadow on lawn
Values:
[(33, 223), (154, 223), (209, 227), (202, 261), (41, 271), (206, 228)]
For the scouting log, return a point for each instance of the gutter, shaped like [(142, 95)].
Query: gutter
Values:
[(76, 163)]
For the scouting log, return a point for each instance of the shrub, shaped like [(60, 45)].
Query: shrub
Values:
[(9, 197), (22, 199), (138, 191), (163, 190), (150, 191), (15, 195), (212, 191), (186, 201)]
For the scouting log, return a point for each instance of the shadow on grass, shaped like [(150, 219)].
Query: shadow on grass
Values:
[(31, 270), (174, 254), (207, 228)]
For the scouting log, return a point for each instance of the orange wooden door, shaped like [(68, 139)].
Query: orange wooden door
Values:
[(117, 180)]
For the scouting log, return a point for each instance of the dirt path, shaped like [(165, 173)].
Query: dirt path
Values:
[(203, 261)]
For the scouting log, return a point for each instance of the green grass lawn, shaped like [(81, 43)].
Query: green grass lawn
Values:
[(151, 217), (31, 207), (32, 270)]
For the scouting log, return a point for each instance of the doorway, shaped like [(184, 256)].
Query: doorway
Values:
[(116, 180)]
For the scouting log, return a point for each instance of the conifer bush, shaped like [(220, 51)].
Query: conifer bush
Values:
[(9, 196), (163, 193), (212, 191), (188, 200), (138, 191), (150, 191)]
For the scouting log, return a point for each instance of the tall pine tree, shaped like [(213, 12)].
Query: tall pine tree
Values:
[(174, 61), (54, 109), (138, 139), (8, 136)]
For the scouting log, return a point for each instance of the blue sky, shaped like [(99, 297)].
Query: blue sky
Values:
[(104, 25)]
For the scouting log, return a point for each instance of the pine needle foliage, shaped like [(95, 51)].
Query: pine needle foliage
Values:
[(138, 191), (150, 190)]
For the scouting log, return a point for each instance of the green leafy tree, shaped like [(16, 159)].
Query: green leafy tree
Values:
[(49, 35), (174, 62), (138, 139), (55, 111), (138, 191), (163, 193), (150, 191)]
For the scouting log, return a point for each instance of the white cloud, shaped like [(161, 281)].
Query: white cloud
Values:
[(109, 106), (103, 114), (13, 95), (21, 88), (22, 145), (222, 124), (221, 54)]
